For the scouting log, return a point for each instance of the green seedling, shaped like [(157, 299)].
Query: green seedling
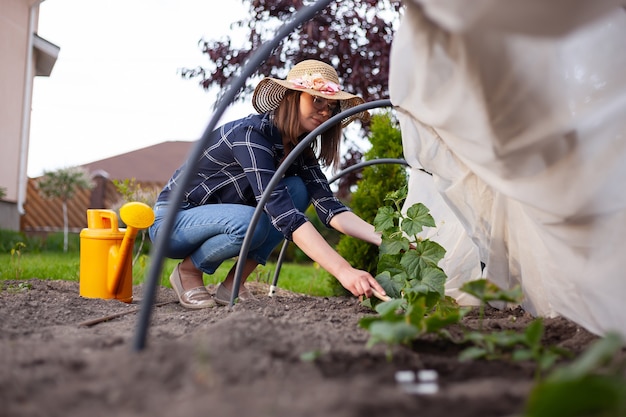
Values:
[(509, 345), (310, 356), (486, 292), (406, 260), (22, 286), (16, 258), (409, 273), (515, 346), (594, 385)]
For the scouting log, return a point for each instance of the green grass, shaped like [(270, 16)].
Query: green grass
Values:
[(42, 265), (300, 278)]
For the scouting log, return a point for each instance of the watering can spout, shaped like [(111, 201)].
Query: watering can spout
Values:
[(136, 216)]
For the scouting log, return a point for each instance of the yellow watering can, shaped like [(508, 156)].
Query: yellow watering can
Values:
[(106, 251)]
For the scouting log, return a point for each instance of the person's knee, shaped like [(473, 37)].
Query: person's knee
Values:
[(259, 234)]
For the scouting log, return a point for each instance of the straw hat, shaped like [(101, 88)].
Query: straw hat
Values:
[(310, 76)]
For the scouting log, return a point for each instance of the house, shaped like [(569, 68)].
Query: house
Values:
[(150, 167), (25, 55)]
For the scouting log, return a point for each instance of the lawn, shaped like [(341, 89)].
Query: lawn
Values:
[(304, 278)]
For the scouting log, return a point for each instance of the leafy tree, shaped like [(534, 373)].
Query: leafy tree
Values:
[(354, 35), (63, 184), (2, 192)]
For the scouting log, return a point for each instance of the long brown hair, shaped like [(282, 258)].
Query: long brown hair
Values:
[(287, 120)]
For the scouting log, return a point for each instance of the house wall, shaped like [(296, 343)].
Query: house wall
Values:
[(14, 20)]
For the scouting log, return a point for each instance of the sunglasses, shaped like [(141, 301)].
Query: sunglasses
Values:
[(321, 104)]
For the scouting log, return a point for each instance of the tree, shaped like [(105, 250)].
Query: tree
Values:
[(353, 35), (63, 184)]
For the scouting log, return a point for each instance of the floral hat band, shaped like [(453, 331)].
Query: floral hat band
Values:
[(316, 82), (313, 77)]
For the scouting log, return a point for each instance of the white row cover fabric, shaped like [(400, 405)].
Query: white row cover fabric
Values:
[(518, 109)]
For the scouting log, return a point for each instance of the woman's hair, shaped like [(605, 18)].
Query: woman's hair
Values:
[(287, 119)]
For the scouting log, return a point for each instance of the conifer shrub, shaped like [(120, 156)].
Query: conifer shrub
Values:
[(376, 182)]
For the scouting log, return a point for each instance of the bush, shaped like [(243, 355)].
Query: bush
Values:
[(9, 238), (54, 242), (377, 181)]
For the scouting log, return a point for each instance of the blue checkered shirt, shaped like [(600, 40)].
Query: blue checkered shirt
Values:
[(237, 165)]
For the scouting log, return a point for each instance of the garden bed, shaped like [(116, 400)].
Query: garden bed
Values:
[(289, 355)]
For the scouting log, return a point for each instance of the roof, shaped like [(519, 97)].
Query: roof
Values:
[(154, 164), (151, 166)]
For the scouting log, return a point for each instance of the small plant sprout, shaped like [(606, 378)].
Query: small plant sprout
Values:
[(22, 286), (593, 385), (486, 291), (16, 257), (507, 344), (514, 346)]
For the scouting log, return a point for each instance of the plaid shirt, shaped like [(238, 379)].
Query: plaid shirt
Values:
[(237, 165)]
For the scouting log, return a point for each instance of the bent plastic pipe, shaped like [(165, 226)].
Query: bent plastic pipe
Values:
[(160, 246)]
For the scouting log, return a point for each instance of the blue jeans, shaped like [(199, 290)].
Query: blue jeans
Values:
[(212, 233)]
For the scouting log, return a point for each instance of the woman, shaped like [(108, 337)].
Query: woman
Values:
[(234, 171)]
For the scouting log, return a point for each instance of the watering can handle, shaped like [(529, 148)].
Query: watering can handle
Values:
[(102, 219)]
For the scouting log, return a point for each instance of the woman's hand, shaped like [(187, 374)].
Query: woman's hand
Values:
[(315, 246), (359, 282)]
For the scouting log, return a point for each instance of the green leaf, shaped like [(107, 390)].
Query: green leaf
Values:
[(394, 246), (388, 309), (391, 333), (440, 319), (598, 354), (472, 353), (506, 338), (416, 312), (523, 355), (547, 359), (417, 216), (427, 255), (385, 218), (412, 262), (487, 291), (435, 279), (590, 396), (534, 333), (390, 263), (397, 196), (392, 287), (366, 322), (431, 252)]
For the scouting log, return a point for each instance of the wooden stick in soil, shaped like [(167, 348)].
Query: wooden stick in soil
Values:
[(380, 296), (91, 322)]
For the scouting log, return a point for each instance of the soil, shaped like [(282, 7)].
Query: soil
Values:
[(286, 355)]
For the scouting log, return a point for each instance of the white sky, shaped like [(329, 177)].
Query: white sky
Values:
[(115, 86)]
